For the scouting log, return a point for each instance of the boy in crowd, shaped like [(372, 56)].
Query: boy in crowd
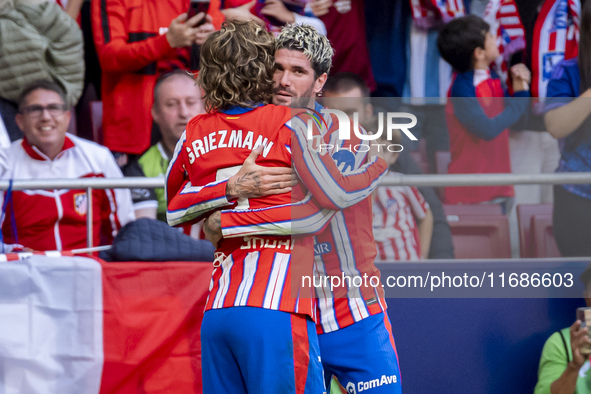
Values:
[(477, 120)]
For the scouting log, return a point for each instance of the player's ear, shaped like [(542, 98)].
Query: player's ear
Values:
[(20, 120), (319, 83), (478, 54), (155, 114)]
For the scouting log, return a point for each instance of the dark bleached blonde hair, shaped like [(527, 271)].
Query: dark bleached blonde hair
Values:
[(312, 44), (237, 66)]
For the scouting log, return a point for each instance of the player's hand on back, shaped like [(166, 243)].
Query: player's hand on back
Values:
[(212, 227), (253, 180)]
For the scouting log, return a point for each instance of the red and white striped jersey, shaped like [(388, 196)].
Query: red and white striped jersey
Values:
[(56, 219), (347, 250), (258, 270), (395, 212), (346, 247)]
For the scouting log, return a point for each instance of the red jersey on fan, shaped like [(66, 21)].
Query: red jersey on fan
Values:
[(478, 117), (56, 219), (131, 44), (395, 229)]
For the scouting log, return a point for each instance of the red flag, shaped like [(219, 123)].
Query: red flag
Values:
[(76, 324)]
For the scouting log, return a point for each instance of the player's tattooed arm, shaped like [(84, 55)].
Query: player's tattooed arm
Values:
[(247, 185), (253, 180)]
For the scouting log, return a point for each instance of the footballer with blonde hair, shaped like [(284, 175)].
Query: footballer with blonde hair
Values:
[(303, 58), (355, 334)]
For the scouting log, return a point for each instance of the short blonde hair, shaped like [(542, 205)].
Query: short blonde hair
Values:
[(237, 66), (306, 39)]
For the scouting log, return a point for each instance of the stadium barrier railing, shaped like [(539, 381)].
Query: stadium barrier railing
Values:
[(437, 180)]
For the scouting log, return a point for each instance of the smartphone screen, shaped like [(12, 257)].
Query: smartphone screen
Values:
[(196, 7)]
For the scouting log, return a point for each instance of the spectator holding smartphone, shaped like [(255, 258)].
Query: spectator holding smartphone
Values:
[(274, 14), (136, 42), (564, 364)]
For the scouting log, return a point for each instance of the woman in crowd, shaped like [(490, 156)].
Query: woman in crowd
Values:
[(568, 119)]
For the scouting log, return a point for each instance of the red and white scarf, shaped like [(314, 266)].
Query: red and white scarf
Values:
[(429, 13), (556, 37), (504, 20)]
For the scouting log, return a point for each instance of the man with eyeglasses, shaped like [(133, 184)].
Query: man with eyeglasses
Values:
[(56, 219)]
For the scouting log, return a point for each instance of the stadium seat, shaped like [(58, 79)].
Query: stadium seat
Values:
[(525, 214), (481, 236), (544, 244), (454, 210), (96, 118)]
